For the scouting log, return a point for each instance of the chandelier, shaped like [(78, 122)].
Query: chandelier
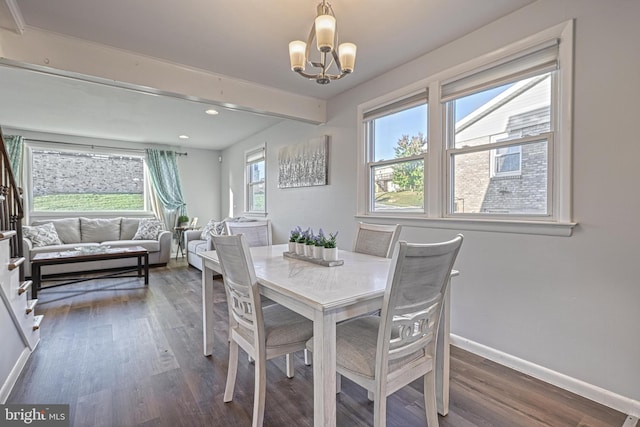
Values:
[(326, 35)]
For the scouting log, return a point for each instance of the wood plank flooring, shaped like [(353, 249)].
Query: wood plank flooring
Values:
[(121, 354)]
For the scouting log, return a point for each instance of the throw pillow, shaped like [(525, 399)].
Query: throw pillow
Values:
[(216, 228), (42, 235), (148, 229)]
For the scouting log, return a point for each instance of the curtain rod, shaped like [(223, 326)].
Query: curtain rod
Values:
[(136, 150)]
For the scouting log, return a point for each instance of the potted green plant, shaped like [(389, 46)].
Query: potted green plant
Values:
[(293, 238), (330, 251), (183, 221)]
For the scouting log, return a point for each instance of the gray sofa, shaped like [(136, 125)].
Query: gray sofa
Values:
[(114, 232)]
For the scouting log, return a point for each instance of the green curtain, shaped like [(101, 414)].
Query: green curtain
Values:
[(163, 170), (15, 148)]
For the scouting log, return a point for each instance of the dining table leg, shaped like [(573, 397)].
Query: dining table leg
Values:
[(324, 369), (207, 309)]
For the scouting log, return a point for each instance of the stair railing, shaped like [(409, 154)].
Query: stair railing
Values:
[(11, 208)]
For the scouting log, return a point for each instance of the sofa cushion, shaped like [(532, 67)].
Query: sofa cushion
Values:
[(128, 228), (148, 229), (68, 229), (99, 230), (216, 228), (150, 245), (196, 246), (42, 235)]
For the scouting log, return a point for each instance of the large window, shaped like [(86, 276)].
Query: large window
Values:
[(498, 151), (256, 200), (85, 181), (499, 142), (397, 147)]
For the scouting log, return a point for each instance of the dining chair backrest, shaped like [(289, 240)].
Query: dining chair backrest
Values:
[(412, 303), (376, 239), (257, 233), (240, 282)]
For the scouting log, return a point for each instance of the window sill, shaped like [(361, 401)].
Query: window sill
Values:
[(255, 214), (495, 226)]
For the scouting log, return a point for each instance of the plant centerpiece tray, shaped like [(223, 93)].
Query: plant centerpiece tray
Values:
[(318, 261)]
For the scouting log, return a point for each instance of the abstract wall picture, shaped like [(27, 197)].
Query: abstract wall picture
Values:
[(305, 164)]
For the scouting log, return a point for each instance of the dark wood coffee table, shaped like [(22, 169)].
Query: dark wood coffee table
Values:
[(68, 257)]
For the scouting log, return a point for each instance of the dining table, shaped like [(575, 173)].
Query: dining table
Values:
[(326, 295)]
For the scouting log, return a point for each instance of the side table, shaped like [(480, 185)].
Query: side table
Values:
[(180, 236)]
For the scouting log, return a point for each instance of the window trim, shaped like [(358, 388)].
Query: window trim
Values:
[(32, 215), (261, 149), (436, 166)]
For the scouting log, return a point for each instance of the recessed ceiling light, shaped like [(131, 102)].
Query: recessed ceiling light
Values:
[(212, 112), (184, 137)]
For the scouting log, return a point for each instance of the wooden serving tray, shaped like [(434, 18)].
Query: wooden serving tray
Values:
[(318, 261)]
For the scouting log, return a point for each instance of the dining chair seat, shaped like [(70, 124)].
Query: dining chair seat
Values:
[(282, 328), (356, 344)]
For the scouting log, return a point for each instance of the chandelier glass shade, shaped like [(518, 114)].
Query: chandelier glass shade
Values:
[(324, 31)]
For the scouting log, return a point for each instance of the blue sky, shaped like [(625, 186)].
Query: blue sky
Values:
[(390, 129)]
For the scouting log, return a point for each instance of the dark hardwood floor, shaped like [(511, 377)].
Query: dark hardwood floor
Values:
[(121, 354)]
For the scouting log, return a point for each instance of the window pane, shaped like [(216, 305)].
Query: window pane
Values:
[(79, 181), (477, 190), (399, 186), (256, 172), (256, 198), (400, 134), (511, 111)]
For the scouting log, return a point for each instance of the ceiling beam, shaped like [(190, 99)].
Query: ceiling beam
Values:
[(50, 52), (16, 15)]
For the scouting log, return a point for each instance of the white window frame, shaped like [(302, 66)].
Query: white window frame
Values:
[(79, 148), (255, 155), (414, 100), (559, 223)]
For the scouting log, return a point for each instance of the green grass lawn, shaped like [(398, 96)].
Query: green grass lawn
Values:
[(89, 202), (399, 199)]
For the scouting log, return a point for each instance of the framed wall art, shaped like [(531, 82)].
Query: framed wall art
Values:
[(305, 164)]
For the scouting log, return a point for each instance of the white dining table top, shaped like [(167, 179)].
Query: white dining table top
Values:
[(361, 277)]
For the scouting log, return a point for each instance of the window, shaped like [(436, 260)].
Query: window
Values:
[(499, 133), (81, 180), (498, 150), (397, 146), (256, 200)]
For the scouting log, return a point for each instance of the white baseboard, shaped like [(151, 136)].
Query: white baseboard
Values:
[(605, 397), (14, 374)]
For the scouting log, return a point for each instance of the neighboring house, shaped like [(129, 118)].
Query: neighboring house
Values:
[(511, 179)]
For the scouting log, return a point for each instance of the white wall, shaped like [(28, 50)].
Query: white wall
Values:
[(569, 304), (199, 169)]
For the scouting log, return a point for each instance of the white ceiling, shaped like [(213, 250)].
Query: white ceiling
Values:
[(243, 39)]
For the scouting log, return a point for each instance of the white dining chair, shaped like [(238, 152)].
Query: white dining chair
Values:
[(257, 233), (263, 333), (376, 239), (385, 353)]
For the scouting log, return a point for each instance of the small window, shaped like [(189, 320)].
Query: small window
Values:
[(397, 141), (256, 200), (86, 181)]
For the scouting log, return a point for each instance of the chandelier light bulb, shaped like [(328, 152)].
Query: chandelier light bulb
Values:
[(347, 55), (297, 50), (325, 32)]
